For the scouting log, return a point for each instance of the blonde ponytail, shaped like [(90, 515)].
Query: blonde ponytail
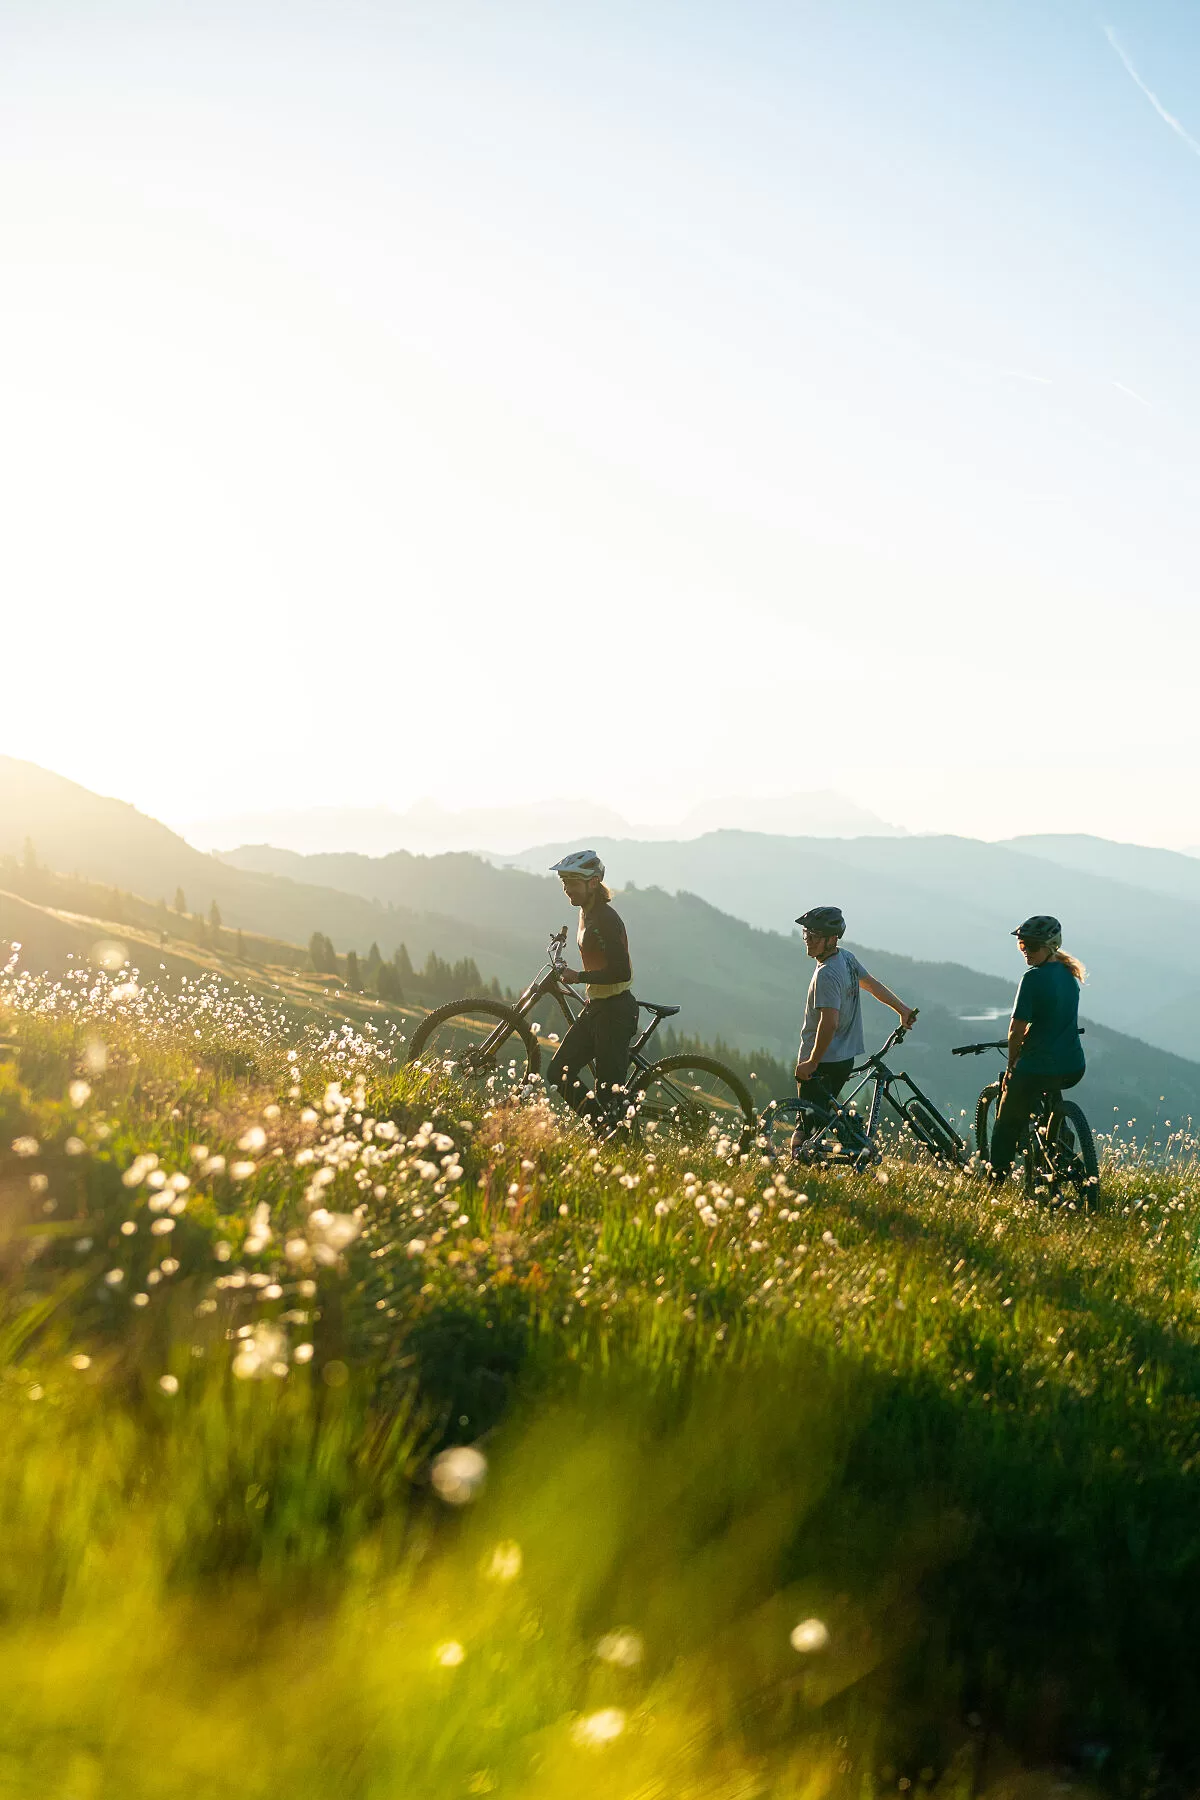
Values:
[(1071, 962)]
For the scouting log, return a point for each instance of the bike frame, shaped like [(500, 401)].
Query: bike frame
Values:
[(548, 982), (885, 1080), (1044, 1119)]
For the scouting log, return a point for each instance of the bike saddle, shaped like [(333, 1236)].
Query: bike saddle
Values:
[(664, 1012)]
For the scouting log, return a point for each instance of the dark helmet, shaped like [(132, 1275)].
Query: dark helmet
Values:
[(1041, 929), (826, 919)]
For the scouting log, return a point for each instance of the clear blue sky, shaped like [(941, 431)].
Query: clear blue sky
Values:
[(828, 372)]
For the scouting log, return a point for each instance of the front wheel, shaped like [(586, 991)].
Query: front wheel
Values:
[(695, 1098), (984, 1119), (479, 1041)]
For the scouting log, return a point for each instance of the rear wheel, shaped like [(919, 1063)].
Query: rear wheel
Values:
[(479, 1041), (695, 1098), (1076, 1163)]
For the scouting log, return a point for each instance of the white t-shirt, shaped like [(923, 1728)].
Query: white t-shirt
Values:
[(835, 983)]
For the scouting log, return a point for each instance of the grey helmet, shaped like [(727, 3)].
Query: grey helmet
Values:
[(579, 862), (1042, 928), (826, 919)]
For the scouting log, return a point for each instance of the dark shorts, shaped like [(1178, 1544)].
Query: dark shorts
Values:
[(601, 1036)]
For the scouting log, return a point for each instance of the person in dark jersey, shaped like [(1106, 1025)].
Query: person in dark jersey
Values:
[(1044, 1048), (604, 1030)]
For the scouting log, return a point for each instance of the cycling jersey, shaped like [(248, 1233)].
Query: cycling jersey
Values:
[(604, 952)]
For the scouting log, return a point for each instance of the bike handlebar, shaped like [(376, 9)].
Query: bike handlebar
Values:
[(992, 1044)]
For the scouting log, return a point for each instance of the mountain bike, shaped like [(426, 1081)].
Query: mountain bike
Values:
[(1059, 1151), (837, 1133), (499, 1046)]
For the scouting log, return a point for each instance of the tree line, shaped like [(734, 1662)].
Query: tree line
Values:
[(394, 979)]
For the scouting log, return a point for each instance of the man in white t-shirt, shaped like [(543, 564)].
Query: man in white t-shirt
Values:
[(832, 1034)]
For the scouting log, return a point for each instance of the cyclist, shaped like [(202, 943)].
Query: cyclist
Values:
[(1044, 1048), (832, 1034), (604, 1030)]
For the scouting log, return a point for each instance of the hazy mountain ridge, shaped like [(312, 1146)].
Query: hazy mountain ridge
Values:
[(430, 829), (958, 899)]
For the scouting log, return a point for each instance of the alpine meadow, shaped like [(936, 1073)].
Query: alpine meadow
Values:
[(599, 900)]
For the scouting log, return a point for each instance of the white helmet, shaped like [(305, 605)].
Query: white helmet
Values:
[(579, 862)]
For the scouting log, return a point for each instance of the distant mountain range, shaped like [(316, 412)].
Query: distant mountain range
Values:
[(430, 829), (1131, 913), (731, 977)]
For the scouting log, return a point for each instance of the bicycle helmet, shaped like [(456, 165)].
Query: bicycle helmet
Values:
[(1042, 928), (579, 862), (827, 919)]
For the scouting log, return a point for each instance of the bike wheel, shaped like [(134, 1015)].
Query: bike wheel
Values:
[(1077, 1165), (695, 1098), (935, 1134), (452, 1039), (983, 1118)]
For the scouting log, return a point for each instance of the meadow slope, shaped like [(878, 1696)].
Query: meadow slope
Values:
[(877, 1484)]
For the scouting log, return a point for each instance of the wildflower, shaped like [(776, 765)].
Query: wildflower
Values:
[(161, 1227), (458, 1475), (505, 1562), (74, 1146), (599, 1728), (450, 1654), (79, 1093), (302, 1353), (141, 1299), (169, 1265), (25, 1146), (81, 1362), (810, 1635), (624, 1649), (115, 1277), (254, 1139), (262, 1352), (169, 1384), (128, 1227), (260, 1233), (241, 1171), (416, 1247)]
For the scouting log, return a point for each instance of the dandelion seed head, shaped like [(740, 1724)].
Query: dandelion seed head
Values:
[(458, 1475), (599, 1728), (505, 1562), (624, 1649)]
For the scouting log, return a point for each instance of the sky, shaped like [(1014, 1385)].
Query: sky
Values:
[(639, 401)]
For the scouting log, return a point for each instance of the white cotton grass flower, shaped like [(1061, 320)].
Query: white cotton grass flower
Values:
[(505, 1562), (169, 1384), (254, 1139), (458, 1475), (261, 1353), (599, 1728), (25, 1146), (449, 1655), (81, 1361), (623, 1649), (260, 1233), (810, 1635), (79, 1093), (302, 1353), (242, 1171)]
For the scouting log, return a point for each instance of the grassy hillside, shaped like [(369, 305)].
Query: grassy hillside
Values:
[(767, 1490)]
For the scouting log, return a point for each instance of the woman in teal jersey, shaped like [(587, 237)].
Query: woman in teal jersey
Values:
[(1044, 1049)]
